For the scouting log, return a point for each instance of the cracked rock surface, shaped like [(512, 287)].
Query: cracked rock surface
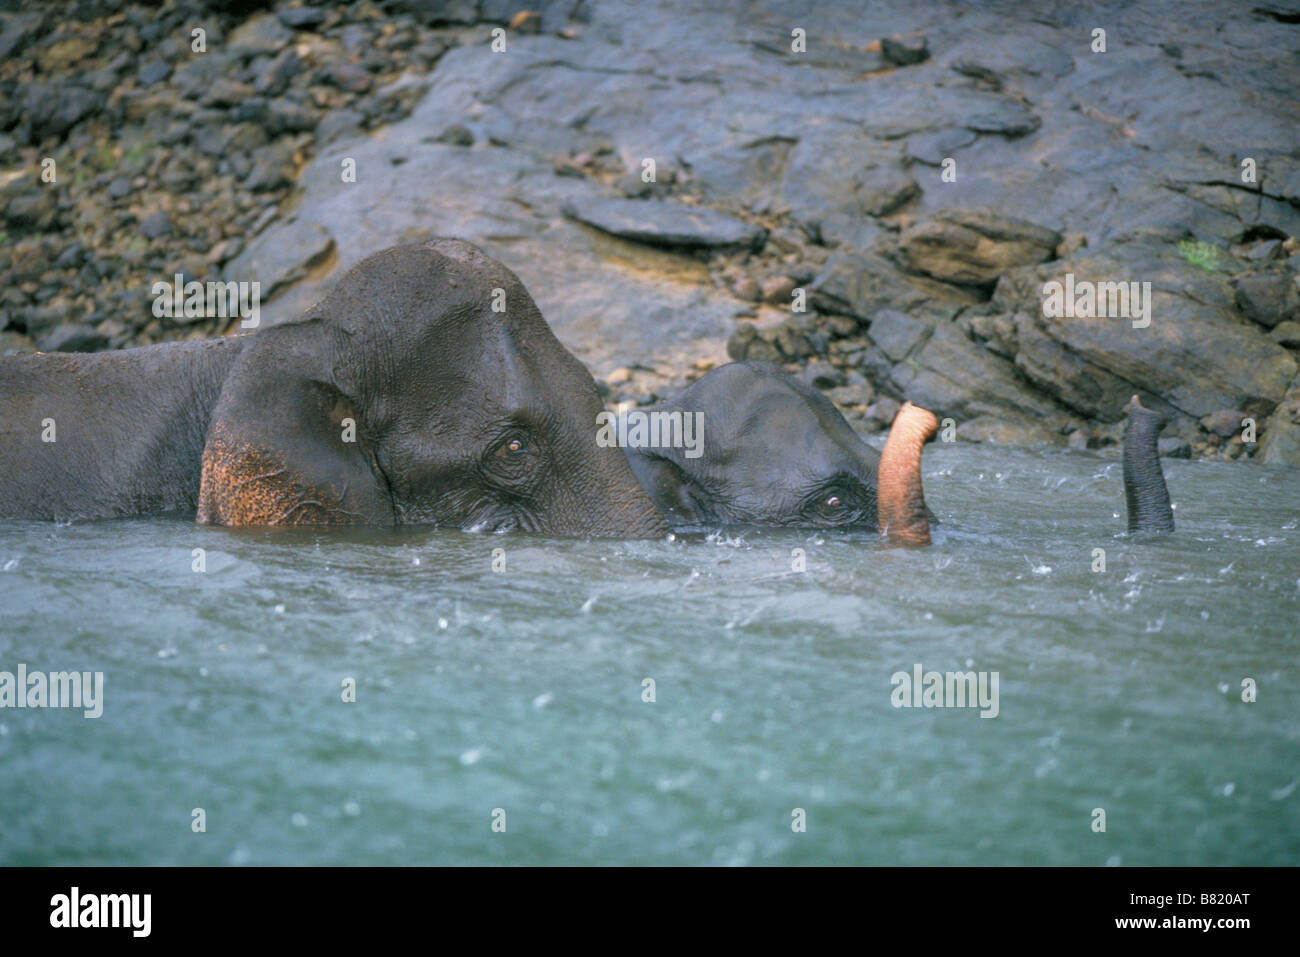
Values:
[(672, 186)]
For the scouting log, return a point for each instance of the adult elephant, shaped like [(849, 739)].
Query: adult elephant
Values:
[(403, 397)]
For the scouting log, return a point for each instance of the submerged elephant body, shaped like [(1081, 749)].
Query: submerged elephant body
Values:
[(401, 398)]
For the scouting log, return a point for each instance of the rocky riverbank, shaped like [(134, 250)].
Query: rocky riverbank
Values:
[(875, 197)]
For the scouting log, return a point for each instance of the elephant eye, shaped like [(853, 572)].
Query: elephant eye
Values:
[(515, 447), (833, 507)]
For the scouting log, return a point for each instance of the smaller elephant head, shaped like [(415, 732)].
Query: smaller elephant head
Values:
[(425, 389), (772, 451)]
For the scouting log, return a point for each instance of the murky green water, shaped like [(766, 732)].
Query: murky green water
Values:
[(523, 690)]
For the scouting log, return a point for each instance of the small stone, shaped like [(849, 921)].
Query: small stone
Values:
[(881, 412), (301, 18), (777, 290), (619, 376), (156, 224), (155, 71), (1224, 423), (352, 78), (1287, 334), (822, 375), (456, 135), (747, 289), (1070, 243), (1173, 447), (119, 188), (904, 49)]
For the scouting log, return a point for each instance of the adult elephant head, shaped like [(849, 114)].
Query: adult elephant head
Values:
[(766, 449), (425, 389)]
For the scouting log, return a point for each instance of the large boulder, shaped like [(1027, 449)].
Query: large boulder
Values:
[(975, 246), (1196, 356)]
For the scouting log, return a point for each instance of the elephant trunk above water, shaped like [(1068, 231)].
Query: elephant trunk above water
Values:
[(1144, 482), (901, 513)]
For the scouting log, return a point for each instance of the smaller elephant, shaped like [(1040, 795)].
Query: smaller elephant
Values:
[(770, 450)]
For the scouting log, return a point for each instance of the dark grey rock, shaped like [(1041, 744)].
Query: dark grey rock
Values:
[(904, 49), (301, 18), (156, 224), (456, 135), (665, 224), (1268, 297), (155, 71), (72, 337)]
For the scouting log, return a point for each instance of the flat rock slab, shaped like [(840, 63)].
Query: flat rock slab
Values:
[(666, 224), (975, 246)]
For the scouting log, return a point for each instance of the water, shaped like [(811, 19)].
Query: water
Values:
[(522, 690)]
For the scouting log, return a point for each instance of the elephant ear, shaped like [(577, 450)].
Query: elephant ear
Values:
[(279, 450)]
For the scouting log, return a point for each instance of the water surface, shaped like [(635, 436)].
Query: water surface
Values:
[(522, 690)]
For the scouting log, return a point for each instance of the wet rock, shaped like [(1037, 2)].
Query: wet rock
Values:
[(301, 18), (975, 246), (665, 224), (347, 76), (28, 205), (156, 224), (1280, 441), (953, 374), (261, 33), (1173, 447), (837, 180), (1286, 334), (73, 337), (281, 256), (338, 123), (778, 290), (861, 285), (16, 31), (1093, 364), (285, 116), (437, 12), (1223, 423), (747, 289), (155, 71), (822, 375), (880, 414), (52, 110), (904, 49), (1004, 429), (1268, 298), (274, 77), (456, 135), (896, 334)]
